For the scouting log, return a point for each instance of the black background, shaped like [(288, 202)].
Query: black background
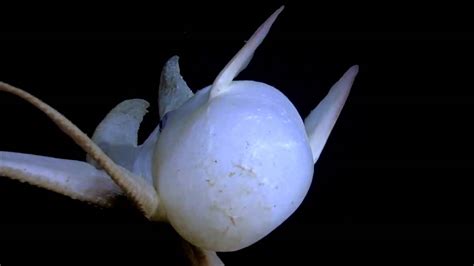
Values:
[(397, 166)]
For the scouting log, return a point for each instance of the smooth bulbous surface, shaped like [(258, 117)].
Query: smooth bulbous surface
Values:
[(229, 170)]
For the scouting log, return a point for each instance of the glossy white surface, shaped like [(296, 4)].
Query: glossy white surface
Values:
[(232, 168)]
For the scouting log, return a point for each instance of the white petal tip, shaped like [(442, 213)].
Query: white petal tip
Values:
[(353, 71), (354, 68), (278, 11), (243, 57)]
